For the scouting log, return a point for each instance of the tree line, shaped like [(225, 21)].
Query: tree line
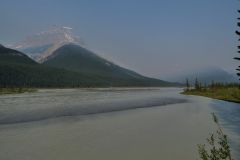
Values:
[(199, 86)]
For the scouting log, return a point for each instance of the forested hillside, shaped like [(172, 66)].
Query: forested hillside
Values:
[(18, 70)]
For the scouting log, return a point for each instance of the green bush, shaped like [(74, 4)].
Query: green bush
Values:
[(218, 146)]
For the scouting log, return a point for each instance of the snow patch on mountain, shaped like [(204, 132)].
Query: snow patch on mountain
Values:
[(39, 46)]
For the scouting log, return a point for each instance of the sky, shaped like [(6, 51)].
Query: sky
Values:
[(157, 38)]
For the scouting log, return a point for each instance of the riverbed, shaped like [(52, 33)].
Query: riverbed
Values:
[(112, 123)]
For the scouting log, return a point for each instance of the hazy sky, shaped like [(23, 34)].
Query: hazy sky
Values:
[(154, 37)]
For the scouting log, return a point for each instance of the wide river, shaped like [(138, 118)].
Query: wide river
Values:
[(111, 124)]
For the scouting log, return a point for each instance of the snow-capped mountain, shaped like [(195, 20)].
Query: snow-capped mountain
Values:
[(43, 44)]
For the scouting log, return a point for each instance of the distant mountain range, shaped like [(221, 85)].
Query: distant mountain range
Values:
[(68, 66), (206, 75)]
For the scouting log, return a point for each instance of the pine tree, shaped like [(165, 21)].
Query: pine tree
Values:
[(238, 58), (187, 85), (197, 86)]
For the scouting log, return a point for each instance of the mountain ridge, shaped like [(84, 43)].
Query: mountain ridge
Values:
[(19, 70), (13, 56), (76, 58), (206, 75)]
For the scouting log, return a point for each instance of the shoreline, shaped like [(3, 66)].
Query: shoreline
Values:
[(20, 90), (225, 94), (16, 90)]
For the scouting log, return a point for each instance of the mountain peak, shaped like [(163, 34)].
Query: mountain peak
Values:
[(53, 35), (41, 45)]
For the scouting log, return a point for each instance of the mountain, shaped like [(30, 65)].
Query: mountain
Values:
[(67, 67), (206, 75), (11, 56), (41, 45), (78, 59), (18, 70)]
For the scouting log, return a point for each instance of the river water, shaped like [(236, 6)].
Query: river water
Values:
[(111, 124)]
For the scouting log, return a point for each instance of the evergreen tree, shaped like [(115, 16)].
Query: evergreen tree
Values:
[(238, 58), (197, 86), (187, 85)]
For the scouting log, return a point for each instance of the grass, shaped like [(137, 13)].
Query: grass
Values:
[(231, 93), (16, 90)]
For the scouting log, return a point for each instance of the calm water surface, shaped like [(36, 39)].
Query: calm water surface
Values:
[(107, 124)]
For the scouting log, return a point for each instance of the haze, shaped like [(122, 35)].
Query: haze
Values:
[(157, 38)]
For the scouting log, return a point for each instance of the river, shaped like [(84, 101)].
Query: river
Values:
[(111, 124)]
